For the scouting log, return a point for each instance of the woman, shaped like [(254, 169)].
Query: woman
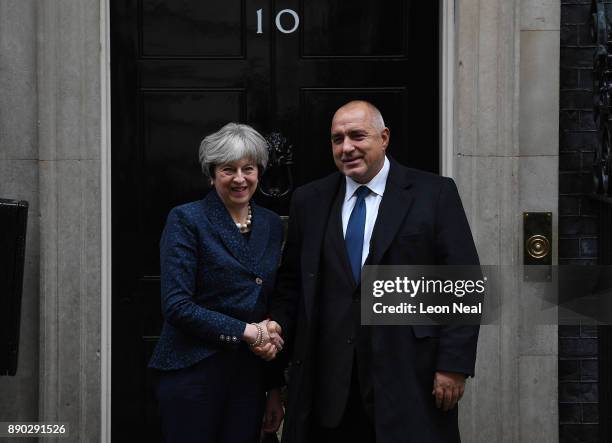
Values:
[(218, 262)]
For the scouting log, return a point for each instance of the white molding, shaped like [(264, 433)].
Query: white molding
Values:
[(106, 223), (447, 86)]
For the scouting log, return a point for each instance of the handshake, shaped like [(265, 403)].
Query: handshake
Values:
[(264, 338)]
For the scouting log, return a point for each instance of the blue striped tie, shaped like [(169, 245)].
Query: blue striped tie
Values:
[(355, 230)]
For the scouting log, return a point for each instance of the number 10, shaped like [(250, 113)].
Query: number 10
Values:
[(279, 26)]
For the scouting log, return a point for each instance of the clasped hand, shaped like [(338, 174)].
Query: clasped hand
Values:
[(272, 342)]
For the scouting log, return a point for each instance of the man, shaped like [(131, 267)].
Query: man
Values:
[(356, 383)]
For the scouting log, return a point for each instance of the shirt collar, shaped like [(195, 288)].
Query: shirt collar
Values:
[(377, 184)]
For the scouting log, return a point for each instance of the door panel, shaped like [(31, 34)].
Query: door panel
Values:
[(183, 68), (357, 28), (192, 28), (377, 70)]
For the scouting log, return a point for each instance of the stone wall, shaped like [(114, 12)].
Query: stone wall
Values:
[(507, 163), (69, 132), (50, 145), (19, 179)]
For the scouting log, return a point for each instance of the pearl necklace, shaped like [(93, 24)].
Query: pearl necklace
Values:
[(246, 226)]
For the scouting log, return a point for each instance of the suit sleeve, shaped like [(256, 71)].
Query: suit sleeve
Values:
[(286, 296), (179, 261), (455, 246)]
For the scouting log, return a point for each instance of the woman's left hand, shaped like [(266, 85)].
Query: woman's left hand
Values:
[(274, 413)]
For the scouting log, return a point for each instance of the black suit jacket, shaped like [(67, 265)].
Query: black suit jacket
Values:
[(420, 222)]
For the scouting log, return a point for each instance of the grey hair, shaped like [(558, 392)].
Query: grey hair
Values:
[(375, 115), (377, 118), (231, 143)]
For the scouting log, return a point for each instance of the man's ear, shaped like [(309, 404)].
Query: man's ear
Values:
[(386, 136)]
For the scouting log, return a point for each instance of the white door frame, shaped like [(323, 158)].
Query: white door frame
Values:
[(106, 237), (447, 86), (447, 78)]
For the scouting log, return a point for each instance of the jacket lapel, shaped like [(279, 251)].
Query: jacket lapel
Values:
[(230, 236), (260, 234), (394, 207), (337, 244)]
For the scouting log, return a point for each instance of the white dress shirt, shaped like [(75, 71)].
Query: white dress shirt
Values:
[(377, 189)]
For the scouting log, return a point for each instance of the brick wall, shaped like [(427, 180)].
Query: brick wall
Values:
[(578, 373)]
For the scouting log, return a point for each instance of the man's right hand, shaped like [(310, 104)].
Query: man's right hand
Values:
[(273, 342), (274, 332)]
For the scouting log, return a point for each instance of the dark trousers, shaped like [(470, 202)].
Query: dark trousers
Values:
[(355, 426), (218, 400)]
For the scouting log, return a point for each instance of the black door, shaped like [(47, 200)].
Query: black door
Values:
[(183, 68)]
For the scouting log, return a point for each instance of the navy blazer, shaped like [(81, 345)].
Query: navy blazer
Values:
[(213, 279)]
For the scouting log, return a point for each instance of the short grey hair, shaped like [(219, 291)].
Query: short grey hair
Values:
[(377, 118), (231, 143), (375, 115)]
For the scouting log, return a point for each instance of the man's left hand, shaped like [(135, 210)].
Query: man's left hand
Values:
[(274, 412), (448, 388)]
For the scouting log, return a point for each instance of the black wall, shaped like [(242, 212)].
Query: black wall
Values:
[(578, 373)]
